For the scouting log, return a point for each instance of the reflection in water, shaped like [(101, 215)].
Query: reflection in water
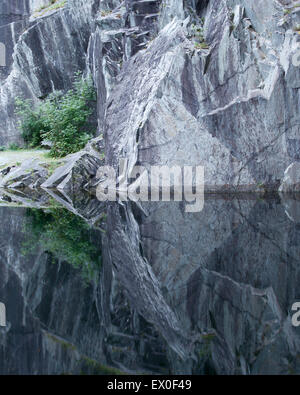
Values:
[(174, 292), (65, 235)]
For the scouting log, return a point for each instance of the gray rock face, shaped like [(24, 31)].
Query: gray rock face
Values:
[(231, 108), (14, 18), (43, 53), (224, 98)]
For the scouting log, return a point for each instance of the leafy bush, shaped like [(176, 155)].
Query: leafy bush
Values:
[(63, 118), (14, 147), (32, 122)]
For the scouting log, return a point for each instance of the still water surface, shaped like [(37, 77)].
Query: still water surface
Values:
[(151, 289)]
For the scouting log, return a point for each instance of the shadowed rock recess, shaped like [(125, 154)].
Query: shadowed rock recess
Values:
[(196, 82)]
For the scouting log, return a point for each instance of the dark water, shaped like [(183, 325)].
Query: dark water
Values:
[(151, 289)]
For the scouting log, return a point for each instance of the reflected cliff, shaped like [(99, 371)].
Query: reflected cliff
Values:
[(113, 289)]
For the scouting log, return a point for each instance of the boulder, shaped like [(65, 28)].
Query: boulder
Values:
[(78, 173), (30, 174)]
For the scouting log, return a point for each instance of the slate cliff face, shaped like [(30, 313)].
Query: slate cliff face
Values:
[(226, 98), (207, 82), (233, 107), (48, 48)]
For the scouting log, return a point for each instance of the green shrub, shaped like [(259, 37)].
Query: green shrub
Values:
[(32, 122), (14, 147), (63, 118)]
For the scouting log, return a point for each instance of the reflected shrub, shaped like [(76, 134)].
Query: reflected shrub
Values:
[(66, 236)]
